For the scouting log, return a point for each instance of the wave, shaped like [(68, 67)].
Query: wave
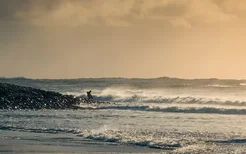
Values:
[(132, 137), (168, 99), (242, 84), (221, 86), (176, 109)]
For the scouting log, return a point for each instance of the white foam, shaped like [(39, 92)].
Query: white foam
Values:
[(131, 136)]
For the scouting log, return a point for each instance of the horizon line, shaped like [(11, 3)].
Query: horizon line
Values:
[(146, 78)]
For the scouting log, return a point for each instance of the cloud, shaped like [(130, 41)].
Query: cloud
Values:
[(75, 13), (120, 13), (237, 7), (207, 12)]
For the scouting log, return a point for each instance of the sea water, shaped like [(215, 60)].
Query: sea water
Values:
[(172, 115)]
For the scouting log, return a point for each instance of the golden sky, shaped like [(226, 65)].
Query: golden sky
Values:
[(123, 38)]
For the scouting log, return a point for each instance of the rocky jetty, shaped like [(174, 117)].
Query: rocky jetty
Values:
[(19, 97)]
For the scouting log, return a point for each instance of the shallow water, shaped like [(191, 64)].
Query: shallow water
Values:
[(177, 132)]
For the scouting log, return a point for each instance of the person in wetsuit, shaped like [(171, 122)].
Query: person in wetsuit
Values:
[(89, 96)]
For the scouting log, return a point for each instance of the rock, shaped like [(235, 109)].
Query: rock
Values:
[(19, 97)]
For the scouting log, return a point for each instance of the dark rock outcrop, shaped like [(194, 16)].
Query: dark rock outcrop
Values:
[(18, 97)]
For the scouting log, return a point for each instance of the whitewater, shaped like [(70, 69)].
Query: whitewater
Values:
[(161, 115)]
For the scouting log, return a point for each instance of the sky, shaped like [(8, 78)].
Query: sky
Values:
[(123, 38)]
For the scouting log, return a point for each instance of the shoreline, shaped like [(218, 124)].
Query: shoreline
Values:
[(46, 143), (21, 146)]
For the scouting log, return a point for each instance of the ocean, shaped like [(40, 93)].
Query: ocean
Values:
[(159, 115)]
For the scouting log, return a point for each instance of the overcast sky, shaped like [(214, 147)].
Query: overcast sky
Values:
[(123, 38)]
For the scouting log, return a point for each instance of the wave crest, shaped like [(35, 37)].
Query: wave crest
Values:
[(133, 137), (167, 99), (176, 109)]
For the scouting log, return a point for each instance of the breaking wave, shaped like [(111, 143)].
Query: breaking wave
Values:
[(168, 96), (169, 99), (130, 137), (133, 137), (221, 86), (177, 109)]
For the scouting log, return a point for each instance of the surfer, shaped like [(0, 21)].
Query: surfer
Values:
[(89, 96)]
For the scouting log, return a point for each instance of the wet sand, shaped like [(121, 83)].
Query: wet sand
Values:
[(19, 146)]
